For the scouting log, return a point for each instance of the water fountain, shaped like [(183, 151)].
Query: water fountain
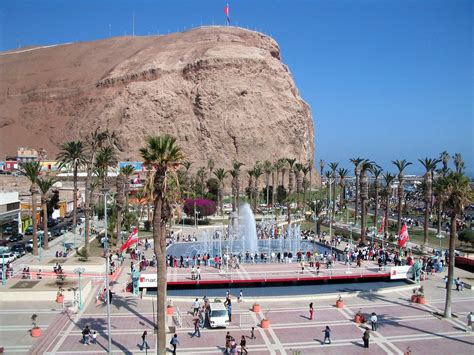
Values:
[(247, 230)]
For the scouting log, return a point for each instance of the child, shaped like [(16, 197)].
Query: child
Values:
[(239, 298), (94, 338)]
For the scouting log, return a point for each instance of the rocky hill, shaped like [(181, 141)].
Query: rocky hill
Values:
[(222, 91)]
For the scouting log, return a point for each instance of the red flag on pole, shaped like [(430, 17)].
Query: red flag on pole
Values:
[(382, 226), (226, 11), (132, 239), (403, 236)]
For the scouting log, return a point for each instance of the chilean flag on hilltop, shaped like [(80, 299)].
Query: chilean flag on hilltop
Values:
[(382, 226), (403, 236), (226, 11), (132, 239)]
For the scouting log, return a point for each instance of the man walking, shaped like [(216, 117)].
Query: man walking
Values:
[(366, 338), (327, 335), (196, 306), (197, 331), (85, 335), (373, 320), (174, 343), (144, 342)]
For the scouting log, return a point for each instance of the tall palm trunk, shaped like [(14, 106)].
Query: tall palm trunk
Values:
[(234, 194), (364, 195), (400, 202), (237, 188), (45, 221), (283, 177), (35, 224), (273, 188), (452, 238), (74, 198), (440, 209), (428, 192), (376, 211), (334, 197), (159, 241), (356, 207), (87, 204), (387, 210), (221, 198)]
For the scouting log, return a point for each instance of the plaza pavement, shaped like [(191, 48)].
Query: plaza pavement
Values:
[(401, 324)]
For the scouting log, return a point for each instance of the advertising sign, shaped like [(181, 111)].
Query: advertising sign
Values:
[(147, 280), (400, 272)]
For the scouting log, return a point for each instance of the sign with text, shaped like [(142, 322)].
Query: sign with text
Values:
[(400, 272), (147, 280)]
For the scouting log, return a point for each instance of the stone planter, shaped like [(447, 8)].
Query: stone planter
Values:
[(414, 298), (256, 308), (170, 310), (36, 332), (339, 304), (421, 300), (265, 324), (359, 319)]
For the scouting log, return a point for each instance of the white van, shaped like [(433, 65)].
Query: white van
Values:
[(218, 316)]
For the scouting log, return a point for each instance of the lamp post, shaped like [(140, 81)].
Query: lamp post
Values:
[(79, 271), (107, 290), (350, 226), (330, 212)]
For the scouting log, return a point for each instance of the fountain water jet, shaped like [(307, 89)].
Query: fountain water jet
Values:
[(247, 230)]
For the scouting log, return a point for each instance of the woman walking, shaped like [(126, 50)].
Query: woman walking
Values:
[(243, 345), (311, 311), (366, 338)]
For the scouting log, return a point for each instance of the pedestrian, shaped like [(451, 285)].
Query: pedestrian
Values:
[(373, 320), (174, 343), (85, 335), (458, 284), (311, 311), (243, 345), (197, 331), (229, 310), (228, 339), (94, 338), (110, 295), (366, 337), (144, 342), (252, 333), (470, 320), (198, 271), (327, 334), (196, 306), (239, 298)]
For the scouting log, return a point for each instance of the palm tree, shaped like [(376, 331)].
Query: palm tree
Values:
[(458, 163), (267, 169), (356, 162), (317, 207), (333, 167), (309, 166), (105, 159), (457, 190), (284, 164), (305, 170), (236, 165), (387, 193), (321, 168), (376, 171), (278, 165), (438, 191), (201, 175), (430, 166), (44, 186), (250, 187), (95, 141), (299, 183), (210, 165), (291, 164), (444, 157), (401, 166), (119, 205), (365, 167), (342, 174), (221, 174), (72, 155), (163, 155), (127, 172), (32, 171), (328, 175), (257, 172)]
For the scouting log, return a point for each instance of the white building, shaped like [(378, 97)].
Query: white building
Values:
[(10, 217)]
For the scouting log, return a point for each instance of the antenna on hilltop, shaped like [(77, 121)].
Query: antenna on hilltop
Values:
[(133, 24)]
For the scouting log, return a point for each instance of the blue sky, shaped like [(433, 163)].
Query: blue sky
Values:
[(385, 79)]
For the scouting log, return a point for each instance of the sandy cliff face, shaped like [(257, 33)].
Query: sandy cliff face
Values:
[(223, 92)]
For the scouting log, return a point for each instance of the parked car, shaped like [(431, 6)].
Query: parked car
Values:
[(19, 250), (8, 230), (15, 238), (29, 230), (41, 235), (8, 257)]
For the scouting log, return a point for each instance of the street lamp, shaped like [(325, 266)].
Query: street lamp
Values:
[(105, 191), (330, 181), (79, 271)]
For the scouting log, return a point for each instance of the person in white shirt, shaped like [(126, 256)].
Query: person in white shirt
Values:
[(196, 306), (373, 320)]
